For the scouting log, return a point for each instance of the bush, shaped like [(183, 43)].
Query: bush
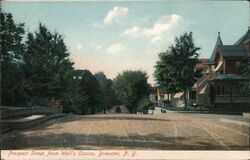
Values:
[(144, 104)]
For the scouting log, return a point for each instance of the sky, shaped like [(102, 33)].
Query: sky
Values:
[(115, 36)]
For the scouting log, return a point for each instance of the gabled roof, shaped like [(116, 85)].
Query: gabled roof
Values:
[(244, 39), (202, 64), (233, 51), (218, 43)]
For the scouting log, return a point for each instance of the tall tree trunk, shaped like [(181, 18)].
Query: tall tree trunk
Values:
[(131, 110), (231, 95), (185, 99)]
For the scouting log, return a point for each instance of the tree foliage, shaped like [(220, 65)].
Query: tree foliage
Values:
[(47, 66), (12, 48), (175, 71), (38, 71), (131, 87), (109, 98), (89, 90), (144, 104)]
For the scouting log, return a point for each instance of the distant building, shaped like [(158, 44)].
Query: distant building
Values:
[(159, 97), (196, 94), (178, 100)]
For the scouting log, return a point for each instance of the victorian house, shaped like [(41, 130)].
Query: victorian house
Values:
[(223, 75)]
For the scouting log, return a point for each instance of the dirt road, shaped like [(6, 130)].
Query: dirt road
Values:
[(171, 131)]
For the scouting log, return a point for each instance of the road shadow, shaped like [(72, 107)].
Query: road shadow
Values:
[(107, 141), (125, 118), (72, 118)]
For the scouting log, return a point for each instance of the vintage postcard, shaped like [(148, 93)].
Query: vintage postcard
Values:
[(147, 79)]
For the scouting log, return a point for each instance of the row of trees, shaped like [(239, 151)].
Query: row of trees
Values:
[(36, 70)]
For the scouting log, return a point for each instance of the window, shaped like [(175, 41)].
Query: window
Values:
[(237, 64), (222, 90), (192, 95), (231, 64), (218, 90)]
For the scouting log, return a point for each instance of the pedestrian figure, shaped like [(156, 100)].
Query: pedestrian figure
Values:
[(118, 110)]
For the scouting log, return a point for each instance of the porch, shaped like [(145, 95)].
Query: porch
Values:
[(233, 99)]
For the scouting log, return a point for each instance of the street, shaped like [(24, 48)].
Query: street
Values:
[(171, 131)]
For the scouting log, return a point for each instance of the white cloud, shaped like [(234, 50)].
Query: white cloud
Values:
[(157, 29), (156, 39), (134, 31), (115, 14), (115, 48), (162, 25), (79, 47), (173, 18), (98, 47)]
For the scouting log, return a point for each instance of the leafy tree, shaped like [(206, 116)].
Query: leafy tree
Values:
[(12, 48), (89, 91), (144, 104), (175, 71), (131, 87), (47, 66), (107, 92)]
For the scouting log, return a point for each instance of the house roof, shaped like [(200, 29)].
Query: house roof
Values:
[(203, 90), (244, 39), (233, 51), (202, 64), (228, 77), (218, 43), (178, 95)]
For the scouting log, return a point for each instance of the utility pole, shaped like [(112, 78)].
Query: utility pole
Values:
[(77, 78)]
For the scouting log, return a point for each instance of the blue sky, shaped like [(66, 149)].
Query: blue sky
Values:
[(115, 36)]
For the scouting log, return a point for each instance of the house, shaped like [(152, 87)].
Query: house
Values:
[(221, 73), (163, 98), (153, 96), (224, 71), (196, 94), (160, 98), (178, 100)]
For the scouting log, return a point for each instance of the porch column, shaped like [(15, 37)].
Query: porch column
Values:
[(231, 94), (197, 96)]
